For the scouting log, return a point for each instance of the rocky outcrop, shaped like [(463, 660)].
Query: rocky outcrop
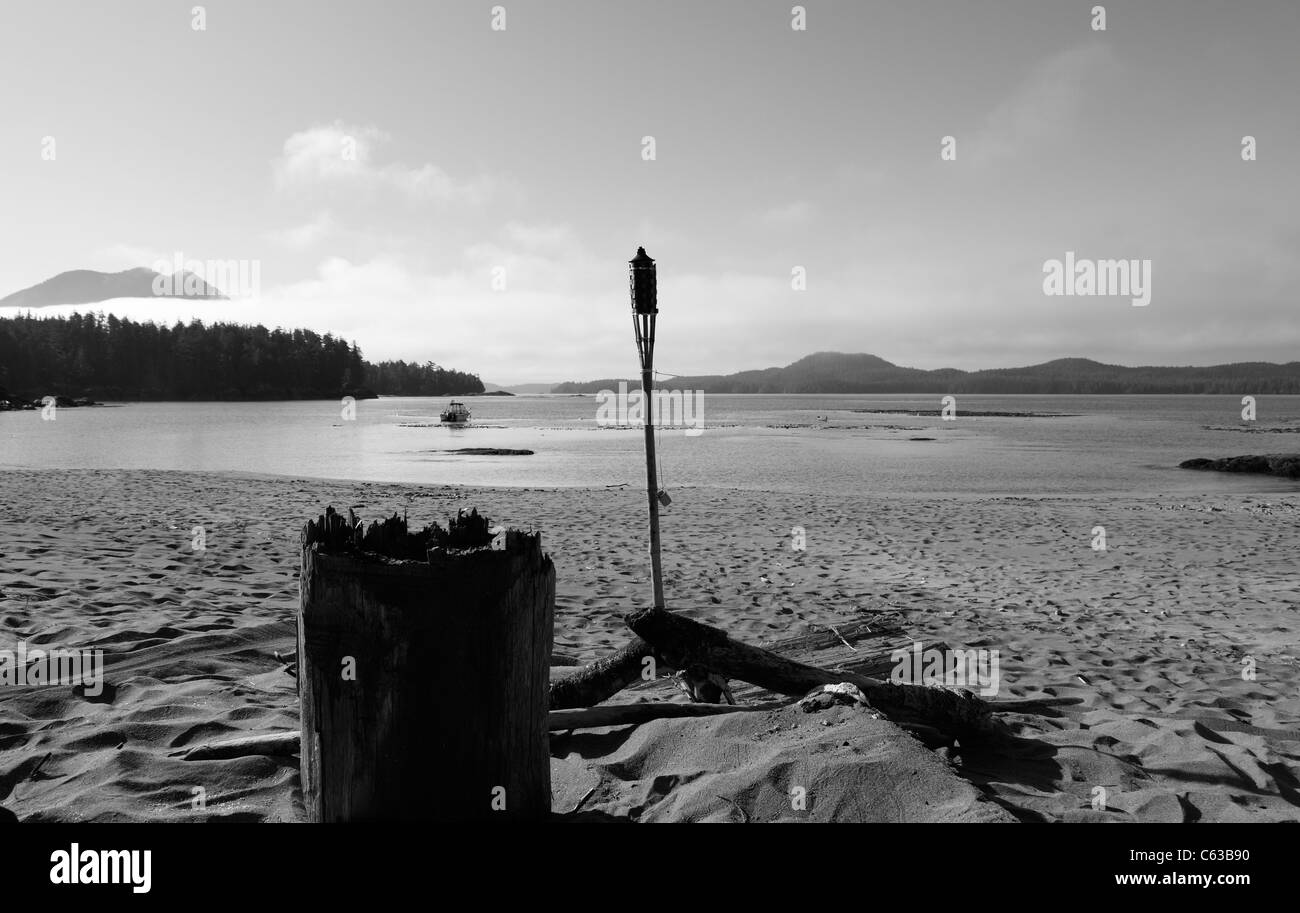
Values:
[(491, 451), (11, 403), (1286, 465)]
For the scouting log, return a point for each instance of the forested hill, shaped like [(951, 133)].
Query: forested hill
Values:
[(836, 372), (89, 355)]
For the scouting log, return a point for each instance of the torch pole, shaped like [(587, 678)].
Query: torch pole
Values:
[(646, 330)]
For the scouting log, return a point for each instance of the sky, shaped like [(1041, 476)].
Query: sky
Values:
[(410, 177)]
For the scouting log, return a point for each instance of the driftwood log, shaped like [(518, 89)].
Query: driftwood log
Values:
[(681, 641), (602, 679)]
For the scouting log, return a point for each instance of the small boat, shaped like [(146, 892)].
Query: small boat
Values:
[(455, 414)]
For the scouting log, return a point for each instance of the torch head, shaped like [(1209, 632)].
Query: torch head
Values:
[(643, 283)]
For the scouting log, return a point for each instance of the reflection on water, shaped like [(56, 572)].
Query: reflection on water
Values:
[(1121, 444)]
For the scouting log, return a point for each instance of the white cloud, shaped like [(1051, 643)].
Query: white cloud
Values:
[(547, 237), (1046, 107), (795, 213), (119, 257), (455, 317), (306, 235), (344, 155)]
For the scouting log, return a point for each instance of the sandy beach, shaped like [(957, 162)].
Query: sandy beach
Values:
[(1148, 638)]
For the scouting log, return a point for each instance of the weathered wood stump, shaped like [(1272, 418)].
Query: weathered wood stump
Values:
[(423, 671)]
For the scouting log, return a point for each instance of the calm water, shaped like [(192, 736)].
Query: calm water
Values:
[(1119, 444)]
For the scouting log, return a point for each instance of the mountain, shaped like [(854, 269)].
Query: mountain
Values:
[(837, 372), (88, 286)]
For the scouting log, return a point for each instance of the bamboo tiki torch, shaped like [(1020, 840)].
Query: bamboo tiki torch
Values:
[(645, 307)]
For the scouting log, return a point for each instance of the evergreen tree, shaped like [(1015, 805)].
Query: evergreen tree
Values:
[(115, 358)]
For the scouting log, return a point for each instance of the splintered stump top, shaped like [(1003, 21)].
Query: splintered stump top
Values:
[(391, 538)]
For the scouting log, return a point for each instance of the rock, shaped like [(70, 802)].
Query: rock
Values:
[(60, 400), (704, 686), (827, 696), (1246, 464), (1286, 465)]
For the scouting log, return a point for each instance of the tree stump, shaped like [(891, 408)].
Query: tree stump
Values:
[(423, 662)]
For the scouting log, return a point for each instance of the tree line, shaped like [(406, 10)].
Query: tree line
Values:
[(111, 358)]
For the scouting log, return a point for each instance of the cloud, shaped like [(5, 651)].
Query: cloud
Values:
[(118, 257), (1046, 107), (306, 235), (453, 317), (562, 314), (344, 155), (551, 238), (795, 213)]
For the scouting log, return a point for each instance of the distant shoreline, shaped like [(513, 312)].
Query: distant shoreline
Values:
[(826, 373), (22, 402)]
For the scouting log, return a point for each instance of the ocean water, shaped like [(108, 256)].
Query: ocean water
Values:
[(1121, 445)]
